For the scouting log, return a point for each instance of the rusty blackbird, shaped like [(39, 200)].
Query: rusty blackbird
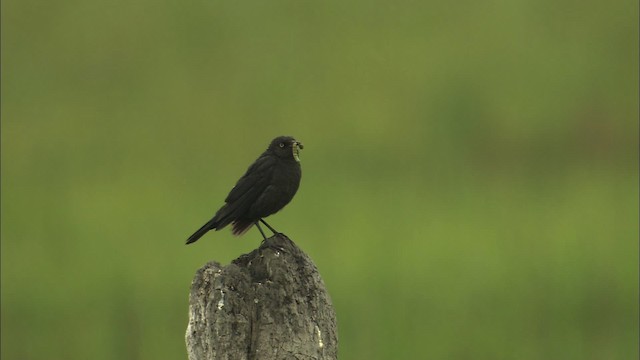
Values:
[(268, 185)]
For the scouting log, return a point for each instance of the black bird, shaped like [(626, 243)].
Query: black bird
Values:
[(268, 185)]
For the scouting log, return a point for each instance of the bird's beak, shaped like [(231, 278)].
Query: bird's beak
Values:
[(297, 146)]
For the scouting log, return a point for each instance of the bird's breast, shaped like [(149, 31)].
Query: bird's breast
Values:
[(287, 177)]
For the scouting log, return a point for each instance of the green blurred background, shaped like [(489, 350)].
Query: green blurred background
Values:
[(470, 186)]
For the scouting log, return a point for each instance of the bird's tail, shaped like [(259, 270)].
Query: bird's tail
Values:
[(240, 227), (203, 230)]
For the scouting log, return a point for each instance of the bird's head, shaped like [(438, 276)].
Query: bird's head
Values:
[(286, 147)]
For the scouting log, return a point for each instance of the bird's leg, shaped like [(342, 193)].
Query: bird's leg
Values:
[(274, 231), (269, 243), (261, 232)]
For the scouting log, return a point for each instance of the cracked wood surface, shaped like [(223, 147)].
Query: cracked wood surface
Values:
[(268, 304)]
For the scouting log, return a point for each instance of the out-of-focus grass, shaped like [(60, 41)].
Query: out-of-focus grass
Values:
[(470, 170)]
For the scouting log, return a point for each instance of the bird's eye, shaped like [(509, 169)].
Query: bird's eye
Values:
[(281, 145)]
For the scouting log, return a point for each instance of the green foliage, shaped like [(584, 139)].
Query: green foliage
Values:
[(469, 181)]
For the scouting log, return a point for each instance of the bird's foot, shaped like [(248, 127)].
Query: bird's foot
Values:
[(274, 244)]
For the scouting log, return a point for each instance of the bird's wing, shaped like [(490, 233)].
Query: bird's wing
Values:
[(249, 188), (268, 202), (254, 181), (278, 192)]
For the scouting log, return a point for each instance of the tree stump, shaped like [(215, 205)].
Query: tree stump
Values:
[(268, 304)]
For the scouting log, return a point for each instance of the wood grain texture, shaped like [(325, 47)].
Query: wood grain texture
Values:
[(268, 304)]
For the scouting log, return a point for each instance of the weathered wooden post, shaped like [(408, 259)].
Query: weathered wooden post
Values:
[(268, 304)]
